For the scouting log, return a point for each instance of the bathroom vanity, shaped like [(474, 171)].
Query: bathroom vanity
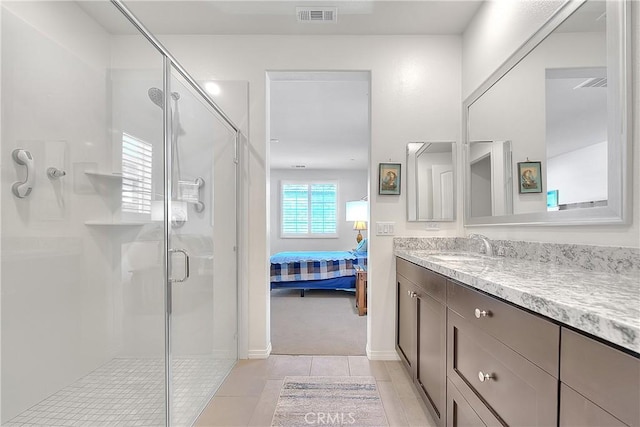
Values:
[(504, 341)]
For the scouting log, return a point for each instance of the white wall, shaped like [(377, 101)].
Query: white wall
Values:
[(415, 96), (56, 273), (589, 165), (352, 185), (495, 32)]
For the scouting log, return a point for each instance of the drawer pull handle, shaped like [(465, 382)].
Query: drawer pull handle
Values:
[(484, 377), (413, 295), (482, 313)]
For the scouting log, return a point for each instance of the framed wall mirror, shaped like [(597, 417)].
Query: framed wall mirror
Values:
[(431, 181), (562, 103)]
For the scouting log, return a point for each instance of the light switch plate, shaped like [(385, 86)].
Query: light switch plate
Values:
[(385, 228)]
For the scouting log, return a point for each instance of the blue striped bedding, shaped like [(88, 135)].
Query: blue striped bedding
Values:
[(319, 265)]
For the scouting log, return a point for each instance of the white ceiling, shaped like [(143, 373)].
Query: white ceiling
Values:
[(319, 120), (355, 17)]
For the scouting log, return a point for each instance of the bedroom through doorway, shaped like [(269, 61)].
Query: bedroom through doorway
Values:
[(318, 125)]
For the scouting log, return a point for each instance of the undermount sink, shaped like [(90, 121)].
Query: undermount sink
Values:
[(456, 257)]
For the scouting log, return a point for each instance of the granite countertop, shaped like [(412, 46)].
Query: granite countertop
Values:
[(606, 305)]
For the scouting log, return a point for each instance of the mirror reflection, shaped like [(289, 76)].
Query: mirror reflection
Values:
[(576, 136), (491, 178), (555, 107), (430, 181)]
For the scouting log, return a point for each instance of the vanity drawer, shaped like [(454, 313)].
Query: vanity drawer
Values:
[(606, 376), (532, 336), (431, 283), (514, 389)]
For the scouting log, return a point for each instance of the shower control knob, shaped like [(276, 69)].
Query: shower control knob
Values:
[(55, 173)]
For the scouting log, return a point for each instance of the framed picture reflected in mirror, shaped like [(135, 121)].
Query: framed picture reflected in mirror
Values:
[(530, 177)]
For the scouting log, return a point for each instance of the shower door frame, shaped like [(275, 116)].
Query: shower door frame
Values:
[(170, 62)]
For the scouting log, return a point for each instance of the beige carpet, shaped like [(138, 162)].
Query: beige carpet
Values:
[(324, 322), (331, 401)]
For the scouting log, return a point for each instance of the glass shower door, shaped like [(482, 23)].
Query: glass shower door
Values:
[(202, 251), (82, 279)]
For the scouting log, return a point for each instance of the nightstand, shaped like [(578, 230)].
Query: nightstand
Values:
[(361, 289)]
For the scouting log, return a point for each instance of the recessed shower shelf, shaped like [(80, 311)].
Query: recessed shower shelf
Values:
[(107, 175), (116, 224)]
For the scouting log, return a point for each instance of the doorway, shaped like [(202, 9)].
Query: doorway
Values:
[(318, 124)]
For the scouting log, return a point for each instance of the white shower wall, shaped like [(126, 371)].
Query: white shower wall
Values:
[(57, 274)]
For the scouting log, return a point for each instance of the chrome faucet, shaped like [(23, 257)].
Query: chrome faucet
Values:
[(487, 244)]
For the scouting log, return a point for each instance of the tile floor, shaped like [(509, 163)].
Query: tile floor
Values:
[(130, 392), (249, 394)]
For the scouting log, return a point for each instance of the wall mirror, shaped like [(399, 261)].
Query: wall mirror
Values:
[(546, 138), (431, 181)]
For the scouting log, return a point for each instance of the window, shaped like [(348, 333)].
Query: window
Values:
[(136, 175), (309, 209)]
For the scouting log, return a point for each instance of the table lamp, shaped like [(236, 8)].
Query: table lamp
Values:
[(357, 212)]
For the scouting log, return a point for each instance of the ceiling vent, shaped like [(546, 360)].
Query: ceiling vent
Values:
[(593, 82), (317, 14)]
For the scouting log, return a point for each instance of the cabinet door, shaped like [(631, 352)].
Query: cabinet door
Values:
[(406, 322), (578, 411), (514, 389), (604, 375), (431, 363), (459, 412)]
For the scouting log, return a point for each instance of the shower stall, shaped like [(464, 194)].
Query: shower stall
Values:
[(118, 271)]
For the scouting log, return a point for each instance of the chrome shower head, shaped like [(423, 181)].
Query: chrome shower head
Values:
[(157, 96)]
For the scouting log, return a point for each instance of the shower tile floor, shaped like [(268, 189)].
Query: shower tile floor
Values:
[(130, 392)]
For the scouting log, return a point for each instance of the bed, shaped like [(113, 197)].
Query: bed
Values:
[(316, 269)]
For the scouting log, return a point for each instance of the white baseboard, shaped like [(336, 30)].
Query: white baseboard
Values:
[(259, 354), (381, 355)]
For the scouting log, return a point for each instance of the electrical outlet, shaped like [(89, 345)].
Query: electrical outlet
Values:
[(385, 228)]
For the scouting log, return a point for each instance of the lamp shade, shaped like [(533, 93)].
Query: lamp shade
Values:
[(360, 225), (357, 210)]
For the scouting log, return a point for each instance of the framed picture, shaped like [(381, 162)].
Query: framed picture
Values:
[(389, 178), (530, 177)]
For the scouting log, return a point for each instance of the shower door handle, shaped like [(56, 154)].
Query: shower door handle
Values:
[(186, 265)]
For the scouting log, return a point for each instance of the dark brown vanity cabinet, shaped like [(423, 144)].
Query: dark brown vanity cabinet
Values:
[(600, 384), (406, 322), (459, 411), (509, 387), (480, 361), (421, 332), (503, 355)]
